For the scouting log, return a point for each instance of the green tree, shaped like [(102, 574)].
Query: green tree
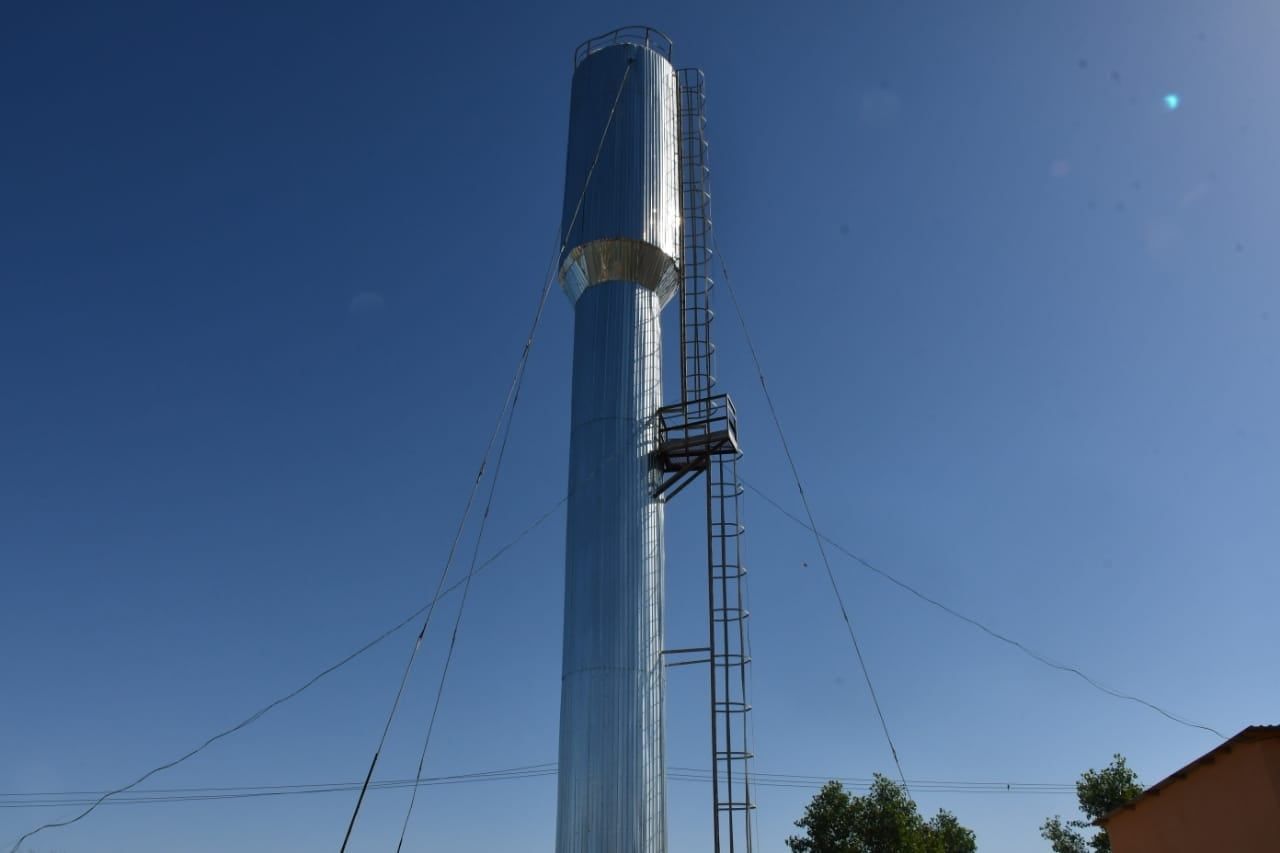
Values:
[(946, 835), (1098, 792), (883, 821)]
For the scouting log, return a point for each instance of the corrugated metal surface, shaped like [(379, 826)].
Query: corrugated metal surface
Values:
[(619, 268), (629, 219), (612, 795)]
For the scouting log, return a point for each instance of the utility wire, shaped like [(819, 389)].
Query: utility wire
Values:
[(502, 449), (157, 796), (457, 622), (174, 795), (508, 406), (1031, 653), (804, 499), (256, 715), (106, 797)]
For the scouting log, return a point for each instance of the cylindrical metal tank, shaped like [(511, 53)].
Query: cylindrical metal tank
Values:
[(619, 267)]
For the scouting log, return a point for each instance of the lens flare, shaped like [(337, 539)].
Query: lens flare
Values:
[(1171, 101)]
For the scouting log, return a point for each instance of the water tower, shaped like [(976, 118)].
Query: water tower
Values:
[(635, 232)]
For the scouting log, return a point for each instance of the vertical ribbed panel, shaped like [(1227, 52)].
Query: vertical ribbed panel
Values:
[(611, 789), (631, 204)]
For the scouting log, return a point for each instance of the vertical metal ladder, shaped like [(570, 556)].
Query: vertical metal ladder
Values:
[(699, 435)]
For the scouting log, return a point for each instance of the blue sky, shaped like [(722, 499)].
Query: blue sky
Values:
[(267, 269)]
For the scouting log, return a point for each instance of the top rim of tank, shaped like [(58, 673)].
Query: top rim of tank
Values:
[(637, 34)]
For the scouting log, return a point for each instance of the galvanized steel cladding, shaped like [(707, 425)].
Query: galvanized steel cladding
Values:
[(619, 267), (627, 226)]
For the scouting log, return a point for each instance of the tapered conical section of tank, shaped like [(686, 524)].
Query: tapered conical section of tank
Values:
[(619, 268)]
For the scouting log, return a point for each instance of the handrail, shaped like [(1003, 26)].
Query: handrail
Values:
[(654, 39), (700, 416)]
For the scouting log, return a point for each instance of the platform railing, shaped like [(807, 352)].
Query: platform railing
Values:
[(655, 40)]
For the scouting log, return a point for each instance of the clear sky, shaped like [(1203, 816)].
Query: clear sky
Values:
[(266, 270)]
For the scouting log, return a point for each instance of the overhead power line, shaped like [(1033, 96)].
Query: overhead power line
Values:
[(512, 393), (161, 796), (804, 500), (1031, 653), (507, 413), (105, 796), (471, 571)]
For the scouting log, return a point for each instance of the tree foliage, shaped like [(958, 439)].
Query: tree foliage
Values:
[(884, 821), (1098, 792)]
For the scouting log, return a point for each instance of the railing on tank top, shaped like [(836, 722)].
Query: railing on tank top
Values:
[(655, 40)]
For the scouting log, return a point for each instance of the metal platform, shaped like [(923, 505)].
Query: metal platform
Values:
[(690, 435)]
